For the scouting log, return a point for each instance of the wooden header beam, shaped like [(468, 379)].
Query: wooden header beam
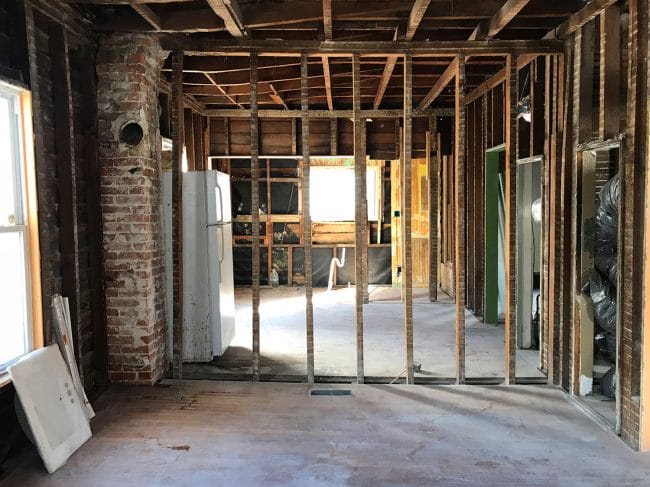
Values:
[(268, 113), (210, 46)]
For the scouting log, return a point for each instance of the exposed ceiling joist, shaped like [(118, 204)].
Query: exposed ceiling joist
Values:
[(148, 14), (230, 12), (222, 90), (415, 17), (568, 27), (327, 19), (440, 85), (502, 18), (327, 27), (275, 96)]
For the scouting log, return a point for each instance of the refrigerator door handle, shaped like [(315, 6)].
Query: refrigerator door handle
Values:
[(220, 202), (220, 254)]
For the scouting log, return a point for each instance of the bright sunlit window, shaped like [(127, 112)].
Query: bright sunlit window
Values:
[(332, 193), (15, 298)]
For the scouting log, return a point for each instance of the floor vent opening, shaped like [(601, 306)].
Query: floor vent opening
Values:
[(330, 392)]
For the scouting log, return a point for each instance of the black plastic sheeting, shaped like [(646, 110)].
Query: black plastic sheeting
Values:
[(379, 266), (602, 284), (606, 245), (603, 295)]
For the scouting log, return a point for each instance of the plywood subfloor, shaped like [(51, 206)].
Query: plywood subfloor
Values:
[(206, 433), (283, 337)]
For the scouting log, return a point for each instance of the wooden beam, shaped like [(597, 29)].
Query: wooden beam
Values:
[(415, 17), (276, 97), (327, 19), (209, 45), (177, 118), (444, 79), (391, 61), (632, 380), (459, 217), (230, 12), (432, 146), (255, 213), (510, 103), (307, 240), (360, 218), (148, 14), (577, 20), (222, 90), (610, 73), (503, 17), (245, 113), (64, 133), (407, 241), (328, 82)]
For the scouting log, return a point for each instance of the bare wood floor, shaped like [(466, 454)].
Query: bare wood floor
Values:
[(199, 433)]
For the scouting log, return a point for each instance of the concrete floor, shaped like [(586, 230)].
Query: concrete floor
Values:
[(283, 337), (197, 433)]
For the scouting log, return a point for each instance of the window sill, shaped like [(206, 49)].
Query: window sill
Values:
[(5, 378)]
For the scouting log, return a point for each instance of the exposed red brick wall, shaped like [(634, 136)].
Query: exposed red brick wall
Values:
[(128, 70)]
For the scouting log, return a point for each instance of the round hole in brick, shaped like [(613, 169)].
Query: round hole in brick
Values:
[(131, 134)]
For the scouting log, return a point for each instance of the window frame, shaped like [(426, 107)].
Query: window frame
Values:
[(20, 131)]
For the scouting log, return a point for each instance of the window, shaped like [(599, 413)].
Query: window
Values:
[(15, 294), (332, 193)]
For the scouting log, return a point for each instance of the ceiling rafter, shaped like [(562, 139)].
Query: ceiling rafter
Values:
[(577, 20), (499, 21), (230, 12), (148, 14), (415, 17), (276, 97), (327, 27), (222, 90), (441, 83)]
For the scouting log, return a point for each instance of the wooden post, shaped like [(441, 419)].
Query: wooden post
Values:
[(67, 182), (583, 67), (565, 231), (459, 210), (360, 218), (255, 213), (510, 96), (433, 208), (177, 212), (226, 134), (333, 136), (644, 389), (632, 380), (41, 175), (304, 102), (610, 72), (407, 241)]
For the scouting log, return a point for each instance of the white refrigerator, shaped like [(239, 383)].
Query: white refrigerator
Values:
[(208, 283)]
